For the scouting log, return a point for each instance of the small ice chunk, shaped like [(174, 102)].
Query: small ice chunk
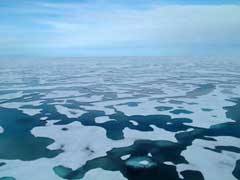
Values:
[(133, 122), (102, 119), (125, 157), (43, 118), (1, 130), (144, 162), (140, 163), (168, 163)]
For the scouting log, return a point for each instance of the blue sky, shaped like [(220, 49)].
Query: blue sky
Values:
[(66, 28)]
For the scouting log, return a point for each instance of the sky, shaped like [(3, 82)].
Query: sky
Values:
[(74, 28)]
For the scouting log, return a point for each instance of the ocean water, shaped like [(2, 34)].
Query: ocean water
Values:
[(120, 118)]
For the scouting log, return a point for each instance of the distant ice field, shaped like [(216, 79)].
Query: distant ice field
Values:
[(120, 118)]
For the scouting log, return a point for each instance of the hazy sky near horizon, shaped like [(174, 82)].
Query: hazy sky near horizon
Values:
[(119, 28)]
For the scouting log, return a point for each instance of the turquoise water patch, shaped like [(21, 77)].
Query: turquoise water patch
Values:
[(236, 171), (7, 178), (163, 108), (17, 142), (220, 149), (207, 109), (64, 129), (62, 171), (233, 112), (2, 164), (181, 111), (132, 104), (176, 102)]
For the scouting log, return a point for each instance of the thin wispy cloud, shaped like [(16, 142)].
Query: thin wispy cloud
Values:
[(88, 27)]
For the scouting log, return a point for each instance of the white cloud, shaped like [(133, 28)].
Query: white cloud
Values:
[(159, 25), (90, 25)]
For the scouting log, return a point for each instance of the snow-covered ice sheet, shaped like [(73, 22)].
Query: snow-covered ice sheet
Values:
[(113, 118)]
